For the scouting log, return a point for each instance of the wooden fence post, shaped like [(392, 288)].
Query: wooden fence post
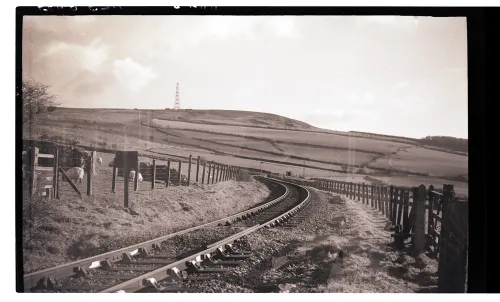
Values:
[(153, 179), (413, 210), (197, 168), (372, 195), (203, 173), (189, 169), (419, 207), (136, 178), (113, 181), (126, 172), (400, 206), (90, 171), (406, 220), (209, 170), (363, 194), (55, 179), (213, 172), (359, 191), (217, 174), (381, 199), (430, 211), (394, 206), (180, 174), (33, 166), (388, 210), (168, 173)]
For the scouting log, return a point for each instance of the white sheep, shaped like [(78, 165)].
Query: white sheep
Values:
[(99, 160), (131, 176), (75, 174)]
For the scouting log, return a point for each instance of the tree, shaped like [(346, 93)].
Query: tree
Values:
[(36, 99)]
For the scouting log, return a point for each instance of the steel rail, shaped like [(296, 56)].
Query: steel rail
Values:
[(65, 270), (173, 269)]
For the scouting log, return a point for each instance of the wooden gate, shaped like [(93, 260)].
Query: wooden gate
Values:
[(453, 244)]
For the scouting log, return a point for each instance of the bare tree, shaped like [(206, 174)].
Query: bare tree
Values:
[(36, 99)]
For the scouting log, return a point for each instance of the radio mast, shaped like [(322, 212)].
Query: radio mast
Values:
[(177, 100)]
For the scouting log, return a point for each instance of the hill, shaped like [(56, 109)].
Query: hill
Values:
[(247, 139)]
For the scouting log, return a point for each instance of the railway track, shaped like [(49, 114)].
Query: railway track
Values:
[(141, 266)]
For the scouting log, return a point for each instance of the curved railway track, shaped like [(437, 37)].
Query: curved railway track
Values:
[(142, 265)]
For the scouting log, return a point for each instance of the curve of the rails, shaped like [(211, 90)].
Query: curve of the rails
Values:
[(65, 270), (171, 270)]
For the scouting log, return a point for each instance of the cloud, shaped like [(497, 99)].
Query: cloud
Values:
[(90, 57), (401, 84), (133, 75), (212, 28)]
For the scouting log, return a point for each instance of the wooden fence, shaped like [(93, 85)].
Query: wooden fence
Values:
[(41, 177), (167, 175), (44, 166), (444, 235)]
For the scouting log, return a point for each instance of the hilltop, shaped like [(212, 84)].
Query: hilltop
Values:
[(251, 140)]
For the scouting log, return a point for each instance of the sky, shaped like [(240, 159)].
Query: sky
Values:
[(393, 75)]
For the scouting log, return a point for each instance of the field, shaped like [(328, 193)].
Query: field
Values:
[(253, 140), (425, 160), (310, 138)]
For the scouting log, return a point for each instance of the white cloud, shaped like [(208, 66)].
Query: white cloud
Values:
[(90, 57), (227, 27), (94, 56), (132, 74)]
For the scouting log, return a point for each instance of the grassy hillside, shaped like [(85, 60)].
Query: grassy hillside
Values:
[(247, 139)]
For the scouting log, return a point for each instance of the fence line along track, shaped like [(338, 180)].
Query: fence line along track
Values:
[(47, 278)]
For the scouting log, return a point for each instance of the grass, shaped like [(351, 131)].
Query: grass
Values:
[(425, 160), (325, 139), (59, 231), (238, 138)]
